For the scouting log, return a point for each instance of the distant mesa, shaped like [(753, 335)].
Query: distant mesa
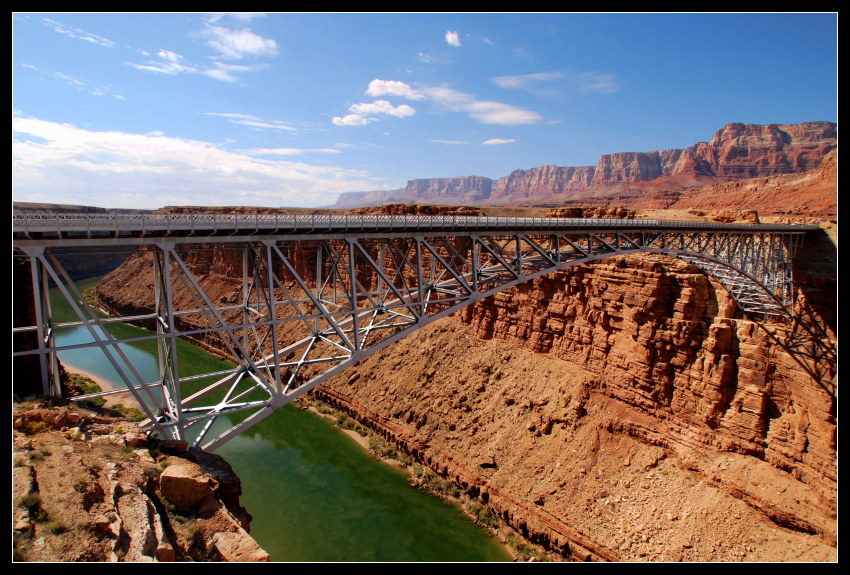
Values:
[(737, 151)]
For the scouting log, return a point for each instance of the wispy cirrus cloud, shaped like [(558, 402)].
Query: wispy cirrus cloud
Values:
[(78, 33), (580, 82), (228, 44), (253, 121), (525, 80), (73, 81), (497, 141), (484, 111), (596, 83), (450, 142)]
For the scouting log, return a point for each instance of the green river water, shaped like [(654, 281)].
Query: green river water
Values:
[(314, 494)]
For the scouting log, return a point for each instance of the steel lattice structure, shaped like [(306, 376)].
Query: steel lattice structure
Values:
[(320, 293)]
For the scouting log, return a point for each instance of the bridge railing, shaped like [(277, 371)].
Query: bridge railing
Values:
[(318, 223)]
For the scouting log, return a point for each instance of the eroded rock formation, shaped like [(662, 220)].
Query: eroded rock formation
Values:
[(88, 486)]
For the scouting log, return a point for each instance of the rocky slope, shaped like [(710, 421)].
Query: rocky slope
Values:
[(87, 485), (737, 151), (618, 410)]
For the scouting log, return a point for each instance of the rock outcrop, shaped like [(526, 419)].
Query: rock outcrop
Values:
[(89, 486)]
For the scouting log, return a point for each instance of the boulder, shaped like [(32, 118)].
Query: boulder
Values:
[(185, 485)]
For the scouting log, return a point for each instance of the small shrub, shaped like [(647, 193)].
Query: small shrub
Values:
[(128, 453), (37, 427), (381, 448), (80, 484), (56, 527), (29, 501)]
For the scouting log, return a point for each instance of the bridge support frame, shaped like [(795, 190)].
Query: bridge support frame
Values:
[(312, 305)]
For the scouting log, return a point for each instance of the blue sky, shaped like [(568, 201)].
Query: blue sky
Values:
[(286, 109)]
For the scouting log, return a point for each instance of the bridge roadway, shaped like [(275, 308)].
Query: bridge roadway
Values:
[(372, 280), (237, 226)]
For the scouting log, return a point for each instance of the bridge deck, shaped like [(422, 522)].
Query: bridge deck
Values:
[(37, 227)]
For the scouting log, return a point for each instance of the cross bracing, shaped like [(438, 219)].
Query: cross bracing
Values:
[(318, 294)]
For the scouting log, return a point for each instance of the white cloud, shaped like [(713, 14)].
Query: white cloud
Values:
[(381, 107), (437, 141), (168, 62), (351, 120), (290, 151), (484, 111), (392, 88), (452, 38), (232, 44), (493, 141), (60, 163)]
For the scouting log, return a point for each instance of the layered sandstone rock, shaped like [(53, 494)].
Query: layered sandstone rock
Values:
[(737, 151), (460, 190), (542, 181)]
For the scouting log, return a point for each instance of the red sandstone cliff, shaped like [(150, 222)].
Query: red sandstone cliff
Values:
[(460, 190), (737, 151), (542, 181)]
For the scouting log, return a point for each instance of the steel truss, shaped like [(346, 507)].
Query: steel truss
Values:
[(312, 305)]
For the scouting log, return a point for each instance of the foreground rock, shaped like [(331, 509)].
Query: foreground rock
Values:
[(90, 487)]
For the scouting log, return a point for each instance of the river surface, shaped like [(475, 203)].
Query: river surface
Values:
[(314, 494)]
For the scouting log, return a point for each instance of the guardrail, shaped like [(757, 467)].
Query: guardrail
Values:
[(214, 224)]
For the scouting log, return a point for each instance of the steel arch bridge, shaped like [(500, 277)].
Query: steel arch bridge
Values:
[(321, 292)]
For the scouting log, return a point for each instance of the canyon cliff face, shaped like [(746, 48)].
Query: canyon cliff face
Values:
[(737, 151), (545, 180), (618, 410), (461, 190)]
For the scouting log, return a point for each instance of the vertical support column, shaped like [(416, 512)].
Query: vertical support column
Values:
[(320, 251), (420, 281), (352, 278), (246, 296), (277, 387), (172, 397), (48, 360)]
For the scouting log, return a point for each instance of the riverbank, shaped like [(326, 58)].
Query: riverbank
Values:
[(126, 399), (425, 480)]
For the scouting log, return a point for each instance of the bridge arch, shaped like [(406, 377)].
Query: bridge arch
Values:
[(317, 296)]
